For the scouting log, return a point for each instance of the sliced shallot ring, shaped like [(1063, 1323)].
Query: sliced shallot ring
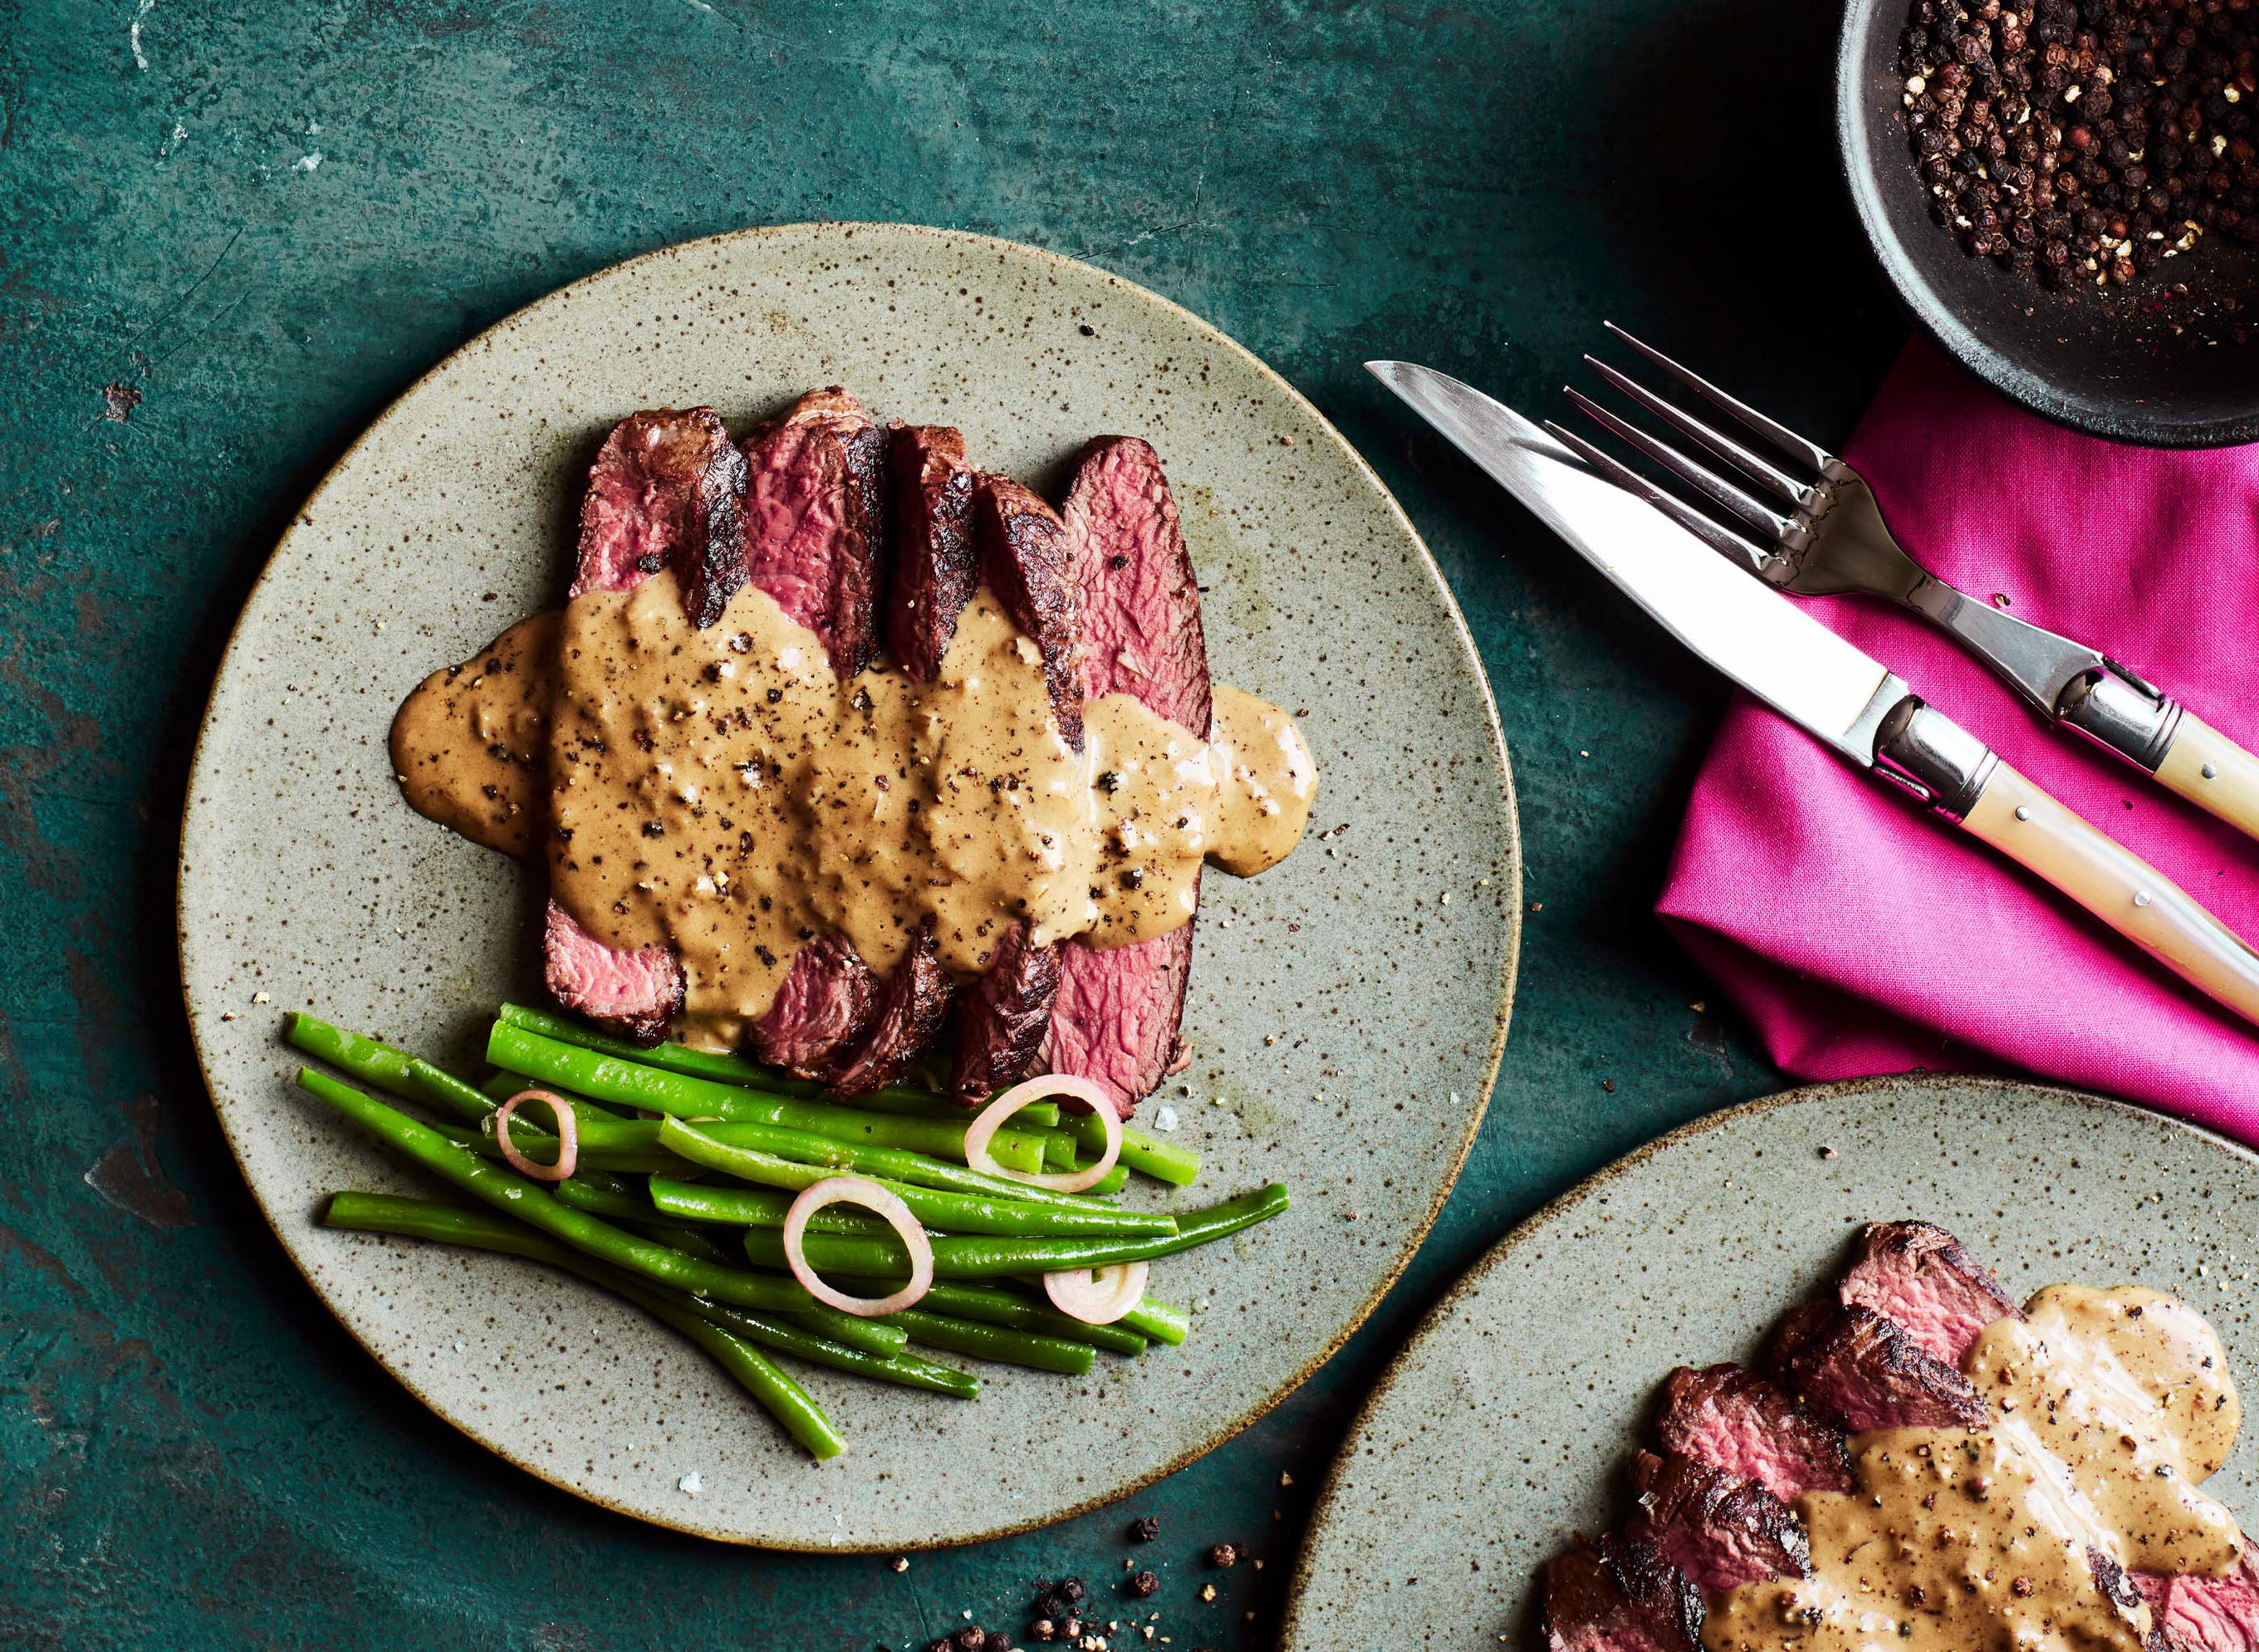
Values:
[(983, 1130), (1098, 1296), (568, 1137), (857, 1189)]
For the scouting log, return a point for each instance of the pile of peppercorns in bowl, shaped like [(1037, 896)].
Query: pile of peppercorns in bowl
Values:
[(2084, 142)]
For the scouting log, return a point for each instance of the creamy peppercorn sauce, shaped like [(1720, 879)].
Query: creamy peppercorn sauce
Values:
[(2108, 1407), (719, 792)]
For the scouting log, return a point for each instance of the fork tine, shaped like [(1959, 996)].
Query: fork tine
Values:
[(1711, 531), (1766, 474), (1779, 435), (1709, 484)]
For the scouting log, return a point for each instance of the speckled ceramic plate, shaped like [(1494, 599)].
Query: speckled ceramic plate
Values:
[(1347, 1008), (1501, 1430)]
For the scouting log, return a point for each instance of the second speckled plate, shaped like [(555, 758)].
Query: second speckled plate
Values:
[(1501, 1430), (1347, 1008)]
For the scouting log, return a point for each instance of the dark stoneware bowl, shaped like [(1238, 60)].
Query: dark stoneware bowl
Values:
[(2137, 364)]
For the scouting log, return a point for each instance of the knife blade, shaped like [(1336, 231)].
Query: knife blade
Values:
[(1780, 654), (1834, 692)]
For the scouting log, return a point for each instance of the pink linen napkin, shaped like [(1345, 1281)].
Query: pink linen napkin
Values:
[(1861, 935)]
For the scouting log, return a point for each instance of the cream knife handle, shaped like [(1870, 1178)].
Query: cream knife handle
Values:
[(2117, 886), (2213, 772)]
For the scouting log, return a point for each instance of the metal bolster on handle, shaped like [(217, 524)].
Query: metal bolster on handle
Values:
[(2115, 708), (1933, 756)]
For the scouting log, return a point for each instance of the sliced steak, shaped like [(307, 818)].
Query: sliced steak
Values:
[(1737, 1421), (930, 572), (1719, 1530), (909, 1012), (1922, 1278), (637, 994), (1859, 1369), (1119, 1009), (1024, 559), (2206, 1615), (666, 491), (1002, 1019), (812, 524), (1616, 1594), (829, 996), (663, 493)]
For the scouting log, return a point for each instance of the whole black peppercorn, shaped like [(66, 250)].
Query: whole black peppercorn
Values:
[(1222, 1555), (1051, 1605), (1042, 1629), (971, 1638), (941, 1645), (1071, 1590), (1070, 1630), (1146, 1528), (1144, 1585)]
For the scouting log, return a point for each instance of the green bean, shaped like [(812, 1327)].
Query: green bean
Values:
[(583, 1194), (697, 1064), (991, 1306), (1158, 1320), (778, 1394), (374, 1062), (949, 1211), (1161, 1160), (533, 1204), (869, 1346), (752, 1208), (611, 1079), (905, 1369), (996, 1342), (502, 1086), (1059, 1149), (983, 1258)]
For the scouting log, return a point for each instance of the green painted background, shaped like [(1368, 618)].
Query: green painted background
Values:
[(268, 217)]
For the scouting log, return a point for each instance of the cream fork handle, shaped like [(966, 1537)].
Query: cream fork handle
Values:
[(2117, 886), (2213, 772)]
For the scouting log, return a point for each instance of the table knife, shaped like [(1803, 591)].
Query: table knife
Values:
[(1835, 693)]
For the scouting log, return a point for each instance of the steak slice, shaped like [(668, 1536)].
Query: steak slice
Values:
[(1026, 559), (828, 997), (1719, 1530), (663, 493), (1859, 1369), (1616, 1594), (666, 491), (1119, 1009), (2205, 1614), (1738, 1422), (812, 524), (930, 574), (1922, 1278), (1002, 1019), (909, 1012)]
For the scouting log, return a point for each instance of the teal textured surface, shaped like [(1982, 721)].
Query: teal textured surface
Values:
[(229, 238)]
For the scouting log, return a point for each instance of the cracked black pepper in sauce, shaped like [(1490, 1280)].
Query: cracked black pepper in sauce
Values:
[(720, 792), (2108, 1407)]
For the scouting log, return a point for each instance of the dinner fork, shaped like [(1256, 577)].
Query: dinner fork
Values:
[(1826, 536)]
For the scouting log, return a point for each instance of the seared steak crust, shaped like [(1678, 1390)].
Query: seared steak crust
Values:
[(1861, 1370), (1002, 1018), (1720, 1530), (930, 574), (665, 492), (1119, 1009), (1740, 1423), (1616, 1594), (829, 996), (1922, 1278), (1024, 560), (812, 524), (909, 1012)]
